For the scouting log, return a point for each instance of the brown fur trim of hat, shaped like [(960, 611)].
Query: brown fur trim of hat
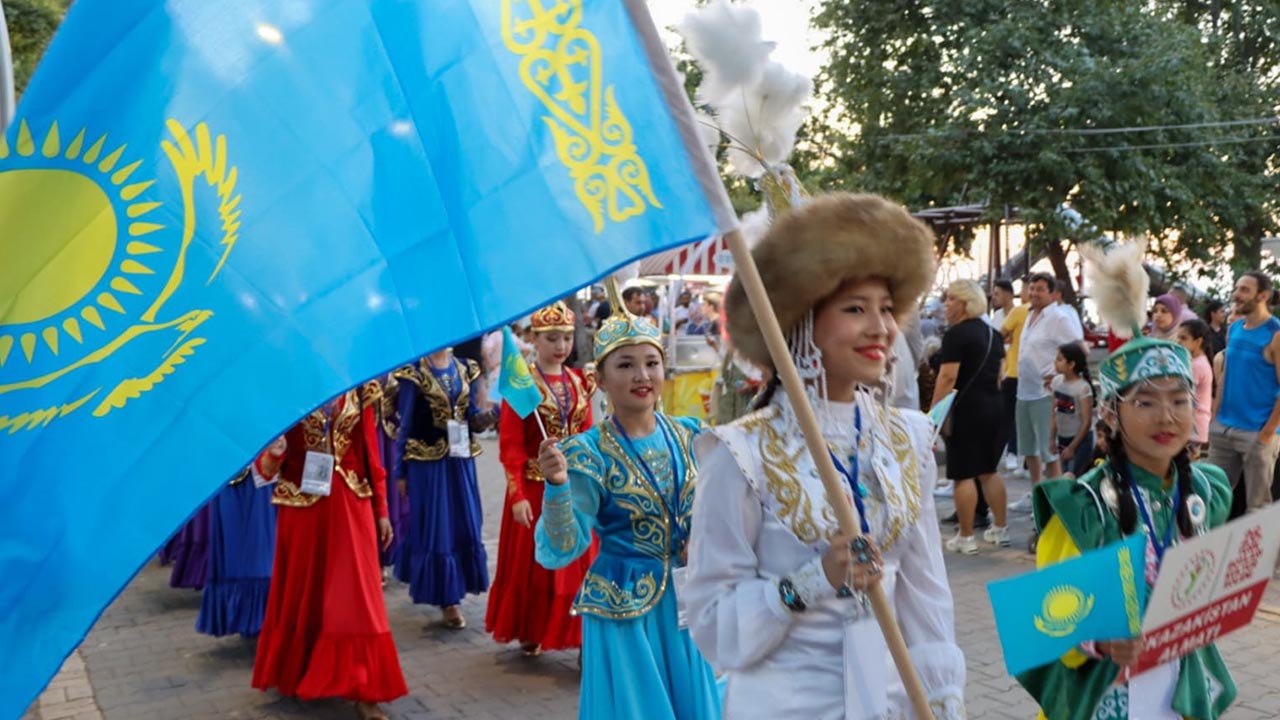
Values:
[(812, 250)]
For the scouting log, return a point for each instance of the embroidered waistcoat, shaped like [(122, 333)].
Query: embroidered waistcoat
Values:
[(770, 449), (426, 418), (343, 439), (637, 545)]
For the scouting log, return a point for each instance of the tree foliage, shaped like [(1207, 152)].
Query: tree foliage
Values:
[(31, 25), (947, 102)]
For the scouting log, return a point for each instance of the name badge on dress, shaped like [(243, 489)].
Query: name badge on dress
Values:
[(459, 440), (317, 473), (679, 577)]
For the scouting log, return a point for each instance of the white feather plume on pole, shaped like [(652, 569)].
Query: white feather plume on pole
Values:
[(764, 117), (725, 40), (1118, 284), (757, 102)]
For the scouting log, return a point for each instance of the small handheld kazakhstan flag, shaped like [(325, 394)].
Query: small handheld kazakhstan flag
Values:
[(217, 214), (1098, 596), (515, 384)]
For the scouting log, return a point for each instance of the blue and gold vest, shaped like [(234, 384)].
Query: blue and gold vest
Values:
[(638, 547)]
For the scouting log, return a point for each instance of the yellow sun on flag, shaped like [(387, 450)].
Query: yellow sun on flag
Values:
[(61, 246), (1064, 607), (93, 262)]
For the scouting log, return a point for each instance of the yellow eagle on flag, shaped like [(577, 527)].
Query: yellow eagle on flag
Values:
[(90, 260)]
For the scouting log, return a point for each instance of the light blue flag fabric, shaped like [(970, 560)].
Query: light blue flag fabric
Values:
[(515, 384), (1099, 595), (217, 214)]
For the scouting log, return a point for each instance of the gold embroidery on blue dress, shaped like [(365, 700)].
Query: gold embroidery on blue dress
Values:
[(560, 523), (618, 475), (583, 460), (605, 598), (627, 489)]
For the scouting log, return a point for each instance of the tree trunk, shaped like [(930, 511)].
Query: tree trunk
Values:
[(1058, 259)]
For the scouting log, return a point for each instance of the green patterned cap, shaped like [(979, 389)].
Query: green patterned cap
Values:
[(1140, 360)]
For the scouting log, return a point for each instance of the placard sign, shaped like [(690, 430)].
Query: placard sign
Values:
[(1210, 586)]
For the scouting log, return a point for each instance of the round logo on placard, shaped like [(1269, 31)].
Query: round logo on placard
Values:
[(1193, 583)]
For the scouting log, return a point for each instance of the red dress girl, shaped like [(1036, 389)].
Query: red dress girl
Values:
[(326, 632), (527, 602)]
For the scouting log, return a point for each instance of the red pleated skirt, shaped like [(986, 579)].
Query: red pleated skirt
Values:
[(527, 602), (326, 632)]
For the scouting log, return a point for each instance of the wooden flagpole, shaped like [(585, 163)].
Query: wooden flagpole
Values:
[(746, 269)]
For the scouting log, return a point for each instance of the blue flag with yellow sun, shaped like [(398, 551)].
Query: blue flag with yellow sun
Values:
[(515, 383), (217, 214), (1099, 595)]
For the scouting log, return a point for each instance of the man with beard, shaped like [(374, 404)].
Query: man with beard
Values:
[(1247, 416)]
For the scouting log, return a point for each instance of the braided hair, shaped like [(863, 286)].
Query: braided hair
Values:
[(1121, 479)]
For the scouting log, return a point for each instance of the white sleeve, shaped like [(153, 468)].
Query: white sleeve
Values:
[(1072, 328), (924, 607), (736, 617)]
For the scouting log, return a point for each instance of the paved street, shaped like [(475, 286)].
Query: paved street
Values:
[(144, 660)]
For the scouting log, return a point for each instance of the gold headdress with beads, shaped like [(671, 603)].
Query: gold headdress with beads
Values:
[(556, 316), (622, 329)]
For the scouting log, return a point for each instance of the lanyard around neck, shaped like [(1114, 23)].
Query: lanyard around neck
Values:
[(671, 508), (567, 406), (851, 473), (1160, 545)]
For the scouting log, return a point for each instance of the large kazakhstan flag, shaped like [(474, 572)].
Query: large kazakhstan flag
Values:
[(216, 214)]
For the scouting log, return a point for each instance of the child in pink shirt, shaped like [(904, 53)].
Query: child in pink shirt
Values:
[(1191, 335)]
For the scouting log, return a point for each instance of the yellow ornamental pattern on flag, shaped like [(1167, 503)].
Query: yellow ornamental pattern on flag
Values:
[(90, 257), (1132, 610), (561, 64), (1063, 609)]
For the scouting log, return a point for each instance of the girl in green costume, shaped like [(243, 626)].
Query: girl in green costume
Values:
[(1147, 484)]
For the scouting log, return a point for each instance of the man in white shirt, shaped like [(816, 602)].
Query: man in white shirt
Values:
[(1047, 327)]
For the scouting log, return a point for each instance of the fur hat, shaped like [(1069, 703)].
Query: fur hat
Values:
[(813, 249)]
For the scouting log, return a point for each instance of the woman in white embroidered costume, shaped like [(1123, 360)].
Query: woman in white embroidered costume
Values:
[(775, 593)]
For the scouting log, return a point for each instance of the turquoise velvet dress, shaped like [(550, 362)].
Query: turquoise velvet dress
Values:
[(636, 660)]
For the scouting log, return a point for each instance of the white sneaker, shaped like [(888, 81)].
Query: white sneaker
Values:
[(997, 536), (1023, 505), (965, 545), (945, 490), (1011, 463)]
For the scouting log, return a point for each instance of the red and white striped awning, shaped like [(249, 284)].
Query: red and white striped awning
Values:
[(705, 257)]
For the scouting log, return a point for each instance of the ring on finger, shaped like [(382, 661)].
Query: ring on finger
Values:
[(874, 569)]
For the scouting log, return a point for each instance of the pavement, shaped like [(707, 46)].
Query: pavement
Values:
[(143, 659)]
